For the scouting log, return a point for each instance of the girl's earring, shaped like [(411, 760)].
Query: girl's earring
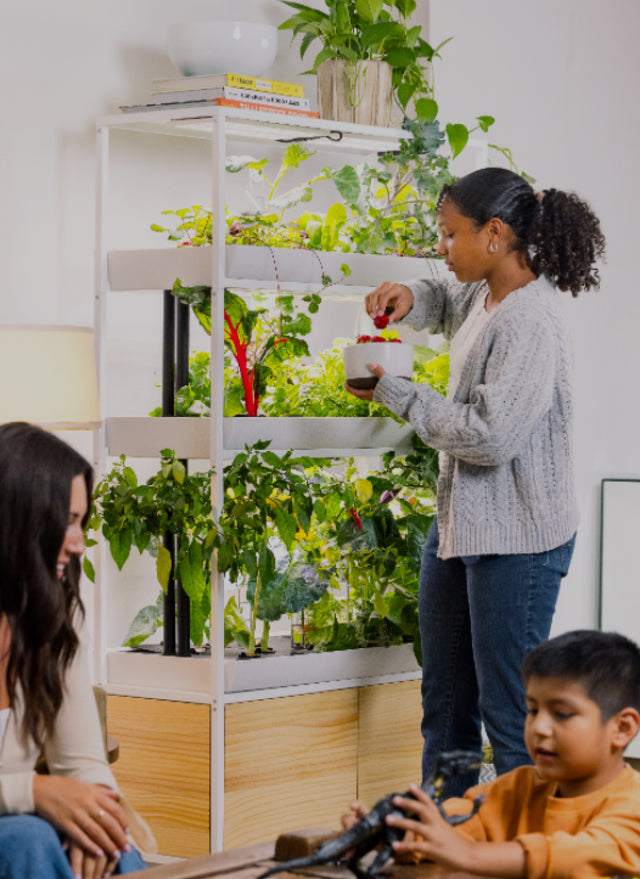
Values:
[(493, 247)]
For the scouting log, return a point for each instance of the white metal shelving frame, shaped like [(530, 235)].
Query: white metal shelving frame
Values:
[(216, 125)]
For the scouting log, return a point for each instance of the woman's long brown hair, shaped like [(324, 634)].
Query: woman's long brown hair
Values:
[(36, 470)]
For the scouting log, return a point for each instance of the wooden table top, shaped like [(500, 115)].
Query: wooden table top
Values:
[(249, 862)]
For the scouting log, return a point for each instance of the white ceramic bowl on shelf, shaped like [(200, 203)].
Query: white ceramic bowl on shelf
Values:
[(394, 357), (201, 47)]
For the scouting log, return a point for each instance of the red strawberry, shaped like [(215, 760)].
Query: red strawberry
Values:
[(381, 322), (378, 339), (363, 339)]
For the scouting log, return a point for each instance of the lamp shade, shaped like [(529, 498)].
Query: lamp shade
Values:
[(48, 376)]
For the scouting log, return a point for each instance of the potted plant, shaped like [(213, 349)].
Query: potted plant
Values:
[(367, 49)]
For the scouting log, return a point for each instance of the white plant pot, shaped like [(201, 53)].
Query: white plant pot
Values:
[(395, 358)]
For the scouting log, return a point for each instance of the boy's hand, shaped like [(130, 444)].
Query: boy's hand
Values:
[(436, 840), (358, 811), (428, 834)]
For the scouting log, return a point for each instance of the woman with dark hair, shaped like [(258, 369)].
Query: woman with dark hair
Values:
[(73, 821), (506, 507)]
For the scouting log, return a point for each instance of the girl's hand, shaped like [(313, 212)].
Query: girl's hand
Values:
[(89, 814), (397, 296), (366, 394)]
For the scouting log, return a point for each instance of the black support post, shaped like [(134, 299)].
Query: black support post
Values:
[(168, 410), (182, 378)]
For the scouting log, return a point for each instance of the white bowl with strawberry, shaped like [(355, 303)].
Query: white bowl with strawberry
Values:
[(393, 355)]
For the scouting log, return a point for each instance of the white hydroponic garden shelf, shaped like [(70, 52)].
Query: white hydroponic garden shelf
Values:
[(153, 671), (245, 265), (189, 437)]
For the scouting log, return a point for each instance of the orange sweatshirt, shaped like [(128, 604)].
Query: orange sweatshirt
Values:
[(594, 835)]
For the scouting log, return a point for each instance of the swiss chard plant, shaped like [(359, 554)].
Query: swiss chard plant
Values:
[(258, 341), (304, 389)]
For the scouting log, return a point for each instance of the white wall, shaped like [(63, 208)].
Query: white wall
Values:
[(561, 78), (559, 75)]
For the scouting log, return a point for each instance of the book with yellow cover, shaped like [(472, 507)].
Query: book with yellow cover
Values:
[(211, 80)]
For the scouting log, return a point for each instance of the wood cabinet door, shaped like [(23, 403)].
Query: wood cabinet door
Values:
[(164, 768), (290, 763)]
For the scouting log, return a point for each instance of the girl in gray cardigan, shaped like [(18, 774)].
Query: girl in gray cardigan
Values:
[(506, 506)]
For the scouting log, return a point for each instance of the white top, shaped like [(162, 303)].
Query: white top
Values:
[(4, 720), (464, 340)]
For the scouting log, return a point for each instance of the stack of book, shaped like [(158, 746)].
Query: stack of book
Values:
[(228, 90)]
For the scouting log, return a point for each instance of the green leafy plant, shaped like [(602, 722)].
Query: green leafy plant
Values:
[(370, 545), (267, 496), (258, 342), (375, 30), (312, 389), (130, 514)]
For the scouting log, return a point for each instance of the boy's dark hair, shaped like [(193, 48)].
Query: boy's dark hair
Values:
[(606, 664)]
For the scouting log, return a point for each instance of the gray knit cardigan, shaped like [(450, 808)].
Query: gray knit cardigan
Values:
[(506, 469)]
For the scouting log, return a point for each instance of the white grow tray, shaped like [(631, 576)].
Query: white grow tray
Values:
[(128, 669)]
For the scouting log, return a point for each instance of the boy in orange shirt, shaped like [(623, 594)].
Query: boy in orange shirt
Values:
[(575, 813)]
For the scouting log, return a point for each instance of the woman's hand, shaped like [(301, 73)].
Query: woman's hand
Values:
[(396, 296), (366, 394), (85, 866), (88, 814)]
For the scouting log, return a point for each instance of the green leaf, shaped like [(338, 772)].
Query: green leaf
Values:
[(163, 566), (458, 136), (120, 546), (400, 57), (178, 472), (426, 110), (191, 571), (485, 122), (380, 604), (347, 183), (235, 628), (287, 526), (144, 624), (369, 10), (88, 569)]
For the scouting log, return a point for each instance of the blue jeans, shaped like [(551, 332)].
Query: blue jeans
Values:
[(479, 617), (30, 848)]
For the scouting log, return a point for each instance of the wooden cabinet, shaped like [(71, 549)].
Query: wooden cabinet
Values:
[(289, 762), (164, 768)]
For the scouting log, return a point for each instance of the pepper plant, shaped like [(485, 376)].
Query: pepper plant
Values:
[(130, 514), (270, 496), (372, 540)]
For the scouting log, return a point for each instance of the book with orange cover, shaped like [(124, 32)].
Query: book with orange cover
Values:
[(264, 108)]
